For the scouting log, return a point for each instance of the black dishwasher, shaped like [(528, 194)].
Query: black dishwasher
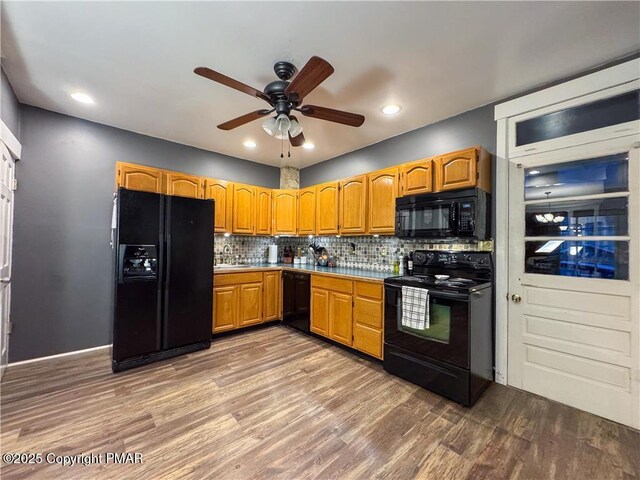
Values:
[(296, 296)]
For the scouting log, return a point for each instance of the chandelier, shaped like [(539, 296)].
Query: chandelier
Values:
[(549, 217)]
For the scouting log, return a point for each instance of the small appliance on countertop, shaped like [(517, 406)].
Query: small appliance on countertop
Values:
[(451, 352)]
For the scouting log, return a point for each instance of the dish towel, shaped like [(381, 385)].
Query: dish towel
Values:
[(415, 308)]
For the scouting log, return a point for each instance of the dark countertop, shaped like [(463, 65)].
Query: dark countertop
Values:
[(340, 271)]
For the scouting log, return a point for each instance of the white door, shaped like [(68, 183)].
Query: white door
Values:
[(574, 283), (7, 175)]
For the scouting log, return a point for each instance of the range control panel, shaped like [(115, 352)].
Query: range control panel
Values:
[(430, 258)]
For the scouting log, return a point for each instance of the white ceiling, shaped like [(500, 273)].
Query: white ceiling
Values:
[(436, 59)]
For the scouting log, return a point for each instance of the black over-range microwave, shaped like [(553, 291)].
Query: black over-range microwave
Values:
[(456, 214)]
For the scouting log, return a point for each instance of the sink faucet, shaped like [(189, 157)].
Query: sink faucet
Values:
[(226, 250)]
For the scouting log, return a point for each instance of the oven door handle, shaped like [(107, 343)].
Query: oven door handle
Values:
[(436, 294)]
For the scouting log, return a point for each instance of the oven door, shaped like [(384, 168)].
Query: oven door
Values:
[(426, 219), (446, 339)]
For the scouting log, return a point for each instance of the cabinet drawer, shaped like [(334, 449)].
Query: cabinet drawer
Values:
[(368, 289), (368, 340), (221, 279), (331, 283), (368, 312)]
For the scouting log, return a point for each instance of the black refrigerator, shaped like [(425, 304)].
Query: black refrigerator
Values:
[(164, 277)]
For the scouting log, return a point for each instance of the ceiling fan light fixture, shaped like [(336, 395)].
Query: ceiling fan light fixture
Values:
[(295, 129), (282, 126), (269, 126)]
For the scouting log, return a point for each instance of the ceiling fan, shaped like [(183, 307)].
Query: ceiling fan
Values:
[(284, 96)]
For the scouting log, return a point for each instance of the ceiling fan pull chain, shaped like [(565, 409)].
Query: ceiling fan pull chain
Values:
[(281, 148)]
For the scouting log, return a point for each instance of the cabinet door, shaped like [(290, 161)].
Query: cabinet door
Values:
[(263, 211), (183, 185), (221, 192), (243, 208), (320, 311), (456, 170), (225, 308), (416, 177), (250, 303), (327, 211), (271, 301), (367, 318), (307, 211), (285, 210), (353, 204), (139, 177), (368, 340), (341, 317), (383, 191)]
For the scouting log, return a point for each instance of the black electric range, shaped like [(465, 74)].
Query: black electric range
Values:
[(453, 355)]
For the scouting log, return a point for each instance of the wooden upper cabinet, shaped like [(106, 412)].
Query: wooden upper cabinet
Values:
[(327, 208), (416, 177), (272, 296), (183, 185), (307, 211), (353, 204), (243, 209), (456, 170), (263, 211), (139, 177), (285, 212), (381, 205), (221, 192)]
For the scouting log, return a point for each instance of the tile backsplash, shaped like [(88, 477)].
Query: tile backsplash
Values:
[(359, 252)]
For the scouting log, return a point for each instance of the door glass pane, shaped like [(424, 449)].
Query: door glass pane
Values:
[(591, 116), (598, 217), (439, 324), (584, 177), (577, 258)]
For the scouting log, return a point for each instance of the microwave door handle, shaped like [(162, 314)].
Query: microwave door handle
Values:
[(452, 218)]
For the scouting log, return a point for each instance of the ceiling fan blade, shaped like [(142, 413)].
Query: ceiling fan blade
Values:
[(249, 117), (312, 74), (331, 115), (297, 141), (230, 82)]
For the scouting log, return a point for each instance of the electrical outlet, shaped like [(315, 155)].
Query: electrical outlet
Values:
[(383, 252)]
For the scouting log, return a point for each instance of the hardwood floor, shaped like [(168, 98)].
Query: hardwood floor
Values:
[(274, 403)]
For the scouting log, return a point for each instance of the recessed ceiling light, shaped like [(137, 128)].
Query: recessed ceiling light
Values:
[(390, 109), (534, 172), (308, 146), (82, 97), (250, 144)]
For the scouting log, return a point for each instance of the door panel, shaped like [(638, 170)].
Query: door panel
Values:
[(183, 185), (456, 170), (417, 177), (572, 337), (320, 311), (341, 317), (307, 211), (189, 272), (226, 301), (250, 304), (243, 208), (263, 211), (383, 191), (7, 175), (271, 281), (221, 192), (285, 210), (353, 205), (327, 208), (139, 177)]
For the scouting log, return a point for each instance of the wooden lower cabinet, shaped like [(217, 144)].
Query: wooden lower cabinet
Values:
[(320, 311), (244, 299), (348, 312), (225, 308), (272, 298), (341, 317)]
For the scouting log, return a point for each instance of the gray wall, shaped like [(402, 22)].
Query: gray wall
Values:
[(9, 106), (475, 127), (62, 263)]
